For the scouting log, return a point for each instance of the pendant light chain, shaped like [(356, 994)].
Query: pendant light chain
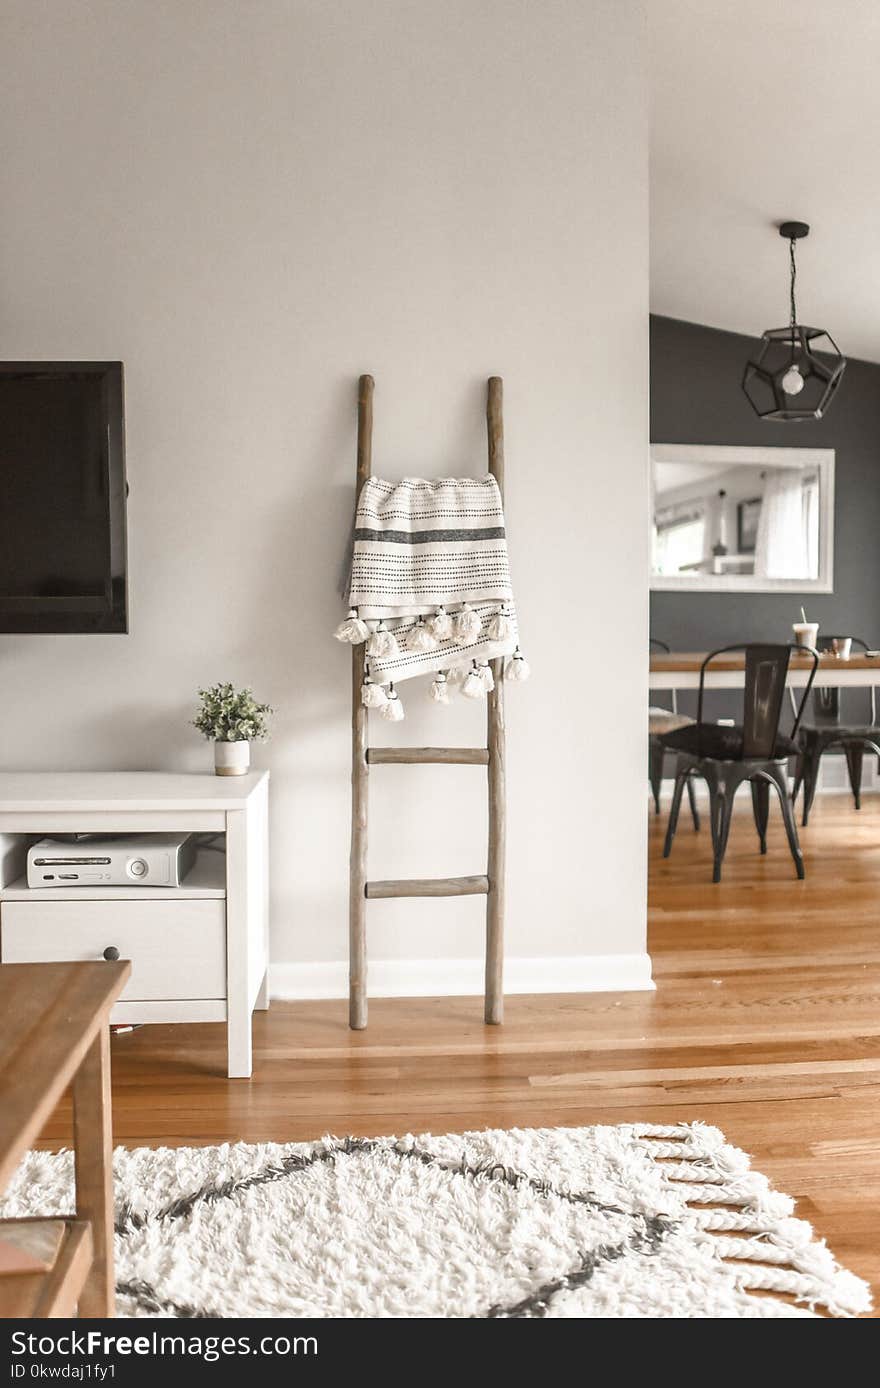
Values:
[(793, 320)]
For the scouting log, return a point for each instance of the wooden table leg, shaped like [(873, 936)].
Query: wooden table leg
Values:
[(93, 1144)]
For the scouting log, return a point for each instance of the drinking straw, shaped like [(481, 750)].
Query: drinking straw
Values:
[(803, 616)]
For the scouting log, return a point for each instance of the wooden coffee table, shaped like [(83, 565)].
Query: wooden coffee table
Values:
[(54, 1031)]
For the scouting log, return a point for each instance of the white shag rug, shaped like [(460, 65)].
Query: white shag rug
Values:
[(630, 1221)]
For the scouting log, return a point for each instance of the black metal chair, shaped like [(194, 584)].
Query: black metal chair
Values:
[(660, 722), (755, 752), (826, 730)]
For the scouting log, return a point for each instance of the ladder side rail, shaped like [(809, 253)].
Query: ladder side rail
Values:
[(495, 743), (360, 772)]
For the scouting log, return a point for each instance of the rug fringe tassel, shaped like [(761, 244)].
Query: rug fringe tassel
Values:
[(782, 1255)]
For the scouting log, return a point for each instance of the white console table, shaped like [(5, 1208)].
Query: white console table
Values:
[(199, 952)]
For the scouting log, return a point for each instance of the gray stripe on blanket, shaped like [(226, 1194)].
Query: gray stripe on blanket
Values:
[(428, 537)]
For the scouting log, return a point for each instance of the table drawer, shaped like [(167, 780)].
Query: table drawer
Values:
[(177, 948)]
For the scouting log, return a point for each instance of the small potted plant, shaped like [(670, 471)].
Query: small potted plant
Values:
[(232, 719)]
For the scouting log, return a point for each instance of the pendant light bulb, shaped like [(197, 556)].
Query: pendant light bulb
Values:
[(792, 381)]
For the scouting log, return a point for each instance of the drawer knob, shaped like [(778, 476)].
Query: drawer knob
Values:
[(111, 952)]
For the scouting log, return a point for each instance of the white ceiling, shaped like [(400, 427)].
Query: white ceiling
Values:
[(667, 476), (763, 112)]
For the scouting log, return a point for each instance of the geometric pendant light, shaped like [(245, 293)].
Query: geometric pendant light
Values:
[(796, 371)]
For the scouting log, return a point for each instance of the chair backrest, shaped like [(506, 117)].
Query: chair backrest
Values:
[(654, 641), (766, 673)]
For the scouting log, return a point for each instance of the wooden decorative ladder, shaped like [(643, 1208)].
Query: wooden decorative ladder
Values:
[(363, 757)]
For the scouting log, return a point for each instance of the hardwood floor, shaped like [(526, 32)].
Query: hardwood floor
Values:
[(766, 1022)]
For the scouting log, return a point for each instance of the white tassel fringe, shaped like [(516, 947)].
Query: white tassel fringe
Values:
[(518, 667), (439, 690), (473, 687), (500, 627), (352, 630), (382, 643), (420, 638), (373, 695), (392, 709), (440, 624), (780, 1254), (466, 626), (487, 679)]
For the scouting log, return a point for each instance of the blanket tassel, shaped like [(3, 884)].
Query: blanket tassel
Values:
[(352, 630), (421, 638), (392, 709), (373, 695), (518, 666), (439, 690), (473, 687), (382, 643), (466, 626), (440, 624), (500, 627)]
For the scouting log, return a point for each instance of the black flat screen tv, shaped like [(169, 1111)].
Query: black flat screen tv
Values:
[(63, 493)]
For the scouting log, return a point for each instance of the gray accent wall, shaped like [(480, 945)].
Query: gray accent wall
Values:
[(696, 398)]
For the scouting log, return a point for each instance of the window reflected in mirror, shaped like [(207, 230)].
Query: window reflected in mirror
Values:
[(742, 518)]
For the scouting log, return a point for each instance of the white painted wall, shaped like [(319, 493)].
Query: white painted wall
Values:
[(250, 204)]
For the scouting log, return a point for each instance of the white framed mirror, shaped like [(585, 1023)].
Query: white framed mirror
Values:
[(742, 520)]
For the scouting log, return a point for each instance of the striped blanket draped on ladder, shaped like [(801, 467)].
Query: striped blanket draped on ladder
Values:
[(430, 589)]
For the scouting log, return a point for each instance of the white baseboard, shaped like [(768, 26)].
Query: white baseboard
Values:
[(834, 780), (441, 978)]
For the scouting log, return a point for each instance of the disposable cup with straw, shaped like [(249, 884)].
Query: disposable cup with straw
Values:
[(805, 633)]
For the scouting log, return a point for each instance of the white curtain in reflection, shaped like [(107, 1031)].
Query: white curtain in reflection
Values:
[(782, 547)]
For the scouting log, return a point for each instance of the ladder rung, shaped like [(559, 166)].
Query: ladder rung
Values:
[(416, 756), (430, 886)]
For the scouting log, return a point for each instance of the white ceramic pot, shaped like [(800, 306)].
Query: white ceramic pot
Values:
[(232, 758)]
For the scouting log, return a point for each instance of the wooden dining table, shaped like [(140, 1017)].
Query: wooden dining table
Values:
[(681, 670)]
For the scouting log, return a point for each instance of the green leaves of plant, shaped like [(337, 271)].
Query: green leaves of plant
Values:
[(227, 714)]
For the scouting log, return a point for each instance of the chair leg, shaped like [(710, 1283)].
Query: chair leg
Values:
[(723, 814), (692, 801), (761, 806), (681, 777), (798, 774), (655, 769), (812, 758), (712, 787), (780, 781), (855, 752)]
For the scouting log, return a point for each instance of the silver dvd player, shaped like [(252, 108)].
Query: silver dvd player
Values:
[(129, 860)]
